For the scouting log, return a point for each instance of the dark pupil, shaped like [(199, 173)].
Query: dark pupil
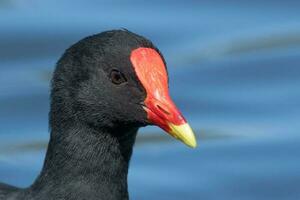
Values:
[(116, 77)]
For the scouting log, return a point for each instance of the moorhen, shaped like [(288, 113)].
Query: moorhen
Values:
[(104, 88)]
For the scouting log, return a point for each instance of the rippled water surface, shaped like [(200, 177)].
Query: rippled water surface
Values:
[(234, 72)]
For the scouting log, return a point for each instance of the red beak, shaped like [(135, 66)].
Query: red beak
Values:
[(161, 110)]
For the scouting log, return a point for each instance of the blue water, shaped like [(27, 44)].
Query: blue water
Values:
[(234, 72)]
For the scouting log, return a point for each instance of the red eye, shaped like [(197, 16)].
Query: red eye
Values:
[(117, 77)]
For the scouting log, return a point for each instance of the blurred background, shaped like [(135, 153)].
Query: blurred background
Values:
[(234, 72)]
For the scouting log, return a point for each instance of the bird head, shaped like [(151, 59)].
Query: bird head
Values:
[(117, 79)]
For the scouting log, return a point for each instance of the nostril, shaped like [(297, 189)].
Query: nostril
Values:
[(163, 110)]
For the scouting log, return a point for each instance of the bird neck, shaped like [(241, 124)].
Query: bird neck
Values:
[(81, 161)]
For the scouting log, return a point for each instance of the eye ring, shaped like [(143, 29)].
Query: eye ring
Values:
[(117, 77)]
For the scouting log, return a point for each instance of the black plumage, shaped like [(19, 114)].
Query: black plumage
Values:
[(93, 122)]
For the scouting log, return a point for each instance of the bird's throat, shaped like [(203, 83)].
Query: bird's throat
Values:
[(82, 161)]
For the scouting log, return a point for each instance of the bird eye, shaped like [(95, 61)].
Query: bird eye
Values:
[(117, 77)]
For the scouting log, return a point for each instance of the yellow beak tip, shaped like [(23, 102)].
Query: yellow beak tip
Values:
[(193, 145), (184, 133)]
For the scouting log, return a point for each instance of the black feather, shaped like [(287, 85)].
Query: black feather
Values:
[(93, 123)]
